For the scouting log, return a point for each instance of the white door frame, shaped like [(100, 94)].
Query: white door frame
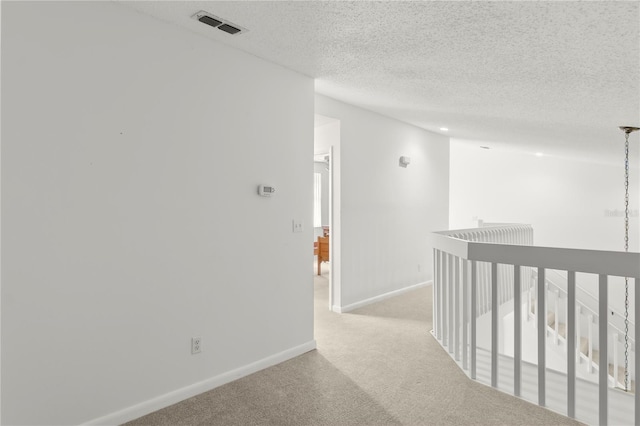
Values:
[(334, 219), (331, 228)]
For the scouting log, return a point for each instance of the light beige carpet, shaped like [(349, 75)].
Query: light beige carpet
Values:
[(377, 365)]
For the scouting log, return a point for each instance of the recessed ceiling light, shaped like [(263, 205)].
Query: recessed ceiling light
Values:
[(444, 129), (539, 154), (485, 147)]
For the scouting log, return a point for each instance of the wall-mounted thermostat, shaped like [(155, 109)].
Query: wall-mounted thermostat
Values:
[(266, 191)]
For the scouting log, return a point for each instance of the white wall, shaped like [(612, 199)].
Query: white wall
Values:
[(326, 134), (130, 219), (565, 200), (387, 211)]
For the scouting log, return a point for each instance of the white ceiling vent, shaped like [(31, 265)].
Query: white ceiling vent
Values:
[(219, 23)]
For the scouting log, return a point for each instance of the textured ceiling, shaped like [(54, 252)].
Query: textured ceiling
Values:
[(557, 77)]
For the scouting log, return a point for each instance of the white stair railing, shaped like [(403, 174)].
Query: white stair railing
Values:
[(467, 277), (505, 234), (557, 293)]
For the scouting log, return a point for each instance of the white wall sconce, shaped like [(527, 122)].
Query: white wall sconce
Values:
[(404, 161)]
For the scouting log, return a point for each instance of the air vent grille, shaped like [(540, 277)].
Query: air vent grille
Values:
[(229, 29), (210, 21), (219, 23)]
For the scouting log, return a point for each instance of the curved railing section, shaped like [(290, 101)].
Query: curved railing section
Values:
[(503, 234), (478, 270)]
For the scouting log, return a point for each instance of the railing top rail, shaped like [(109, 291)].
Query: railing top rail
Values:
[(451, 245), (613, 263), (485, 229)]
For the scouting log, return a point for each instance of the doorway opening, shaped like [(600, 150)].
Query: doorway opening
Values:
[(326, 226)]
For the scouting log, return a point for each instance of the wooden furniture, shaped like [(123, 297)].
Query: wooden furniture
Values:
[(322, 251)]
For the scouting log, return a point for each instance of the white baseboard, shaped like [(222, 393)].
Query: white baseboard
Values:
[(162, 401), (379, 298)]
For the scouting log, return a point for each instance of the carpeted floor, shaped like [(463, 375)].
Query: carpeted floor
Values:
[(377, 365)]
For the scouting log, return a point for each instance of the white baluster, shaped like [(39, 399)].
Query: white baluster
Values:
[(616, 342), (456, 310), (450, 296), (517, 330), (636, 358), (571, 344), (474, 293), (529, 295), (557, 316), (480, 283), (465, 313), (494, 324), (603, 376), (578, 317), (436, 295), (590, 342), (542, 340), (544, 313), (444, 300)]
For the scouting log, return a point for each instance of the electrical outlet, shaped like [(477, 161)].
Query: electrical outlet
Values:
[(419, 267), (196, 345), (297, 225)]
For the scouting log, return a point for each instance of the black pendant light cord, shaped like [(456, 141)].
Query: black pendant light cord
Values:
[(627, 131)]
